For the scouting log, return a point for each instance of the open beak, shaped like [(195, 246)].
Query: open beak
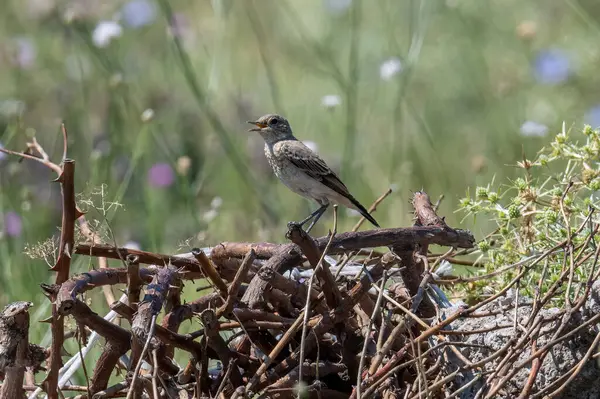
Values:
[(258, 126)]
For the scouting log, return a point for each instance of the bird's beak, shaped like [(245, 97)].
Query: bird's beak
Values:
[(258, 126)]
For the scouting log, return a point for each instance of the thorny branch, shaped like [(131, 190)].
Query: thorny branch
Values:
[(341, 336)]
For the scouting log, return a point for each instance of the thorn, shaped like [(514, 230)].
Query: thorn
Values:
[(66, 250), (78, 213), (59, 179), (47, 320)]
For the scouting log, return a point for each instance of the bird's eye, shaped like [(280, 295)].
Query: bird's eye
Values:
[(273, 121)]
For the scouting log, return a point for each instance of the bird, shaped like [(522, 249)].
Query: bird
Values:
[(302, 170)]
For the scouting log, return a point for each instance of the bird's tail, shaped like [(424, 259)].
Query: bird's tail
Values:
[(363, 211)]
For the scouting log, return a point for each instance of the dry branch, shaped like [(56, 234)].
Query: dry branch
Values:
[(15, 353), (395, 341)]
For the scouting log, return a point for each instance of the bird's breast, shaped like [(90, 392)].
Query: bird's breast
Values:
[(288, 173)]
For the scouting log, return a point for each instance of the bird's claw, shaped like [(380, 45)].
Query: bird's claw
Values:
[(294, 225)]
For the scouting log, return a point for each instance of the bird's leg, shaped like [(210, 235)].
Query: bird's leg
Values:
[(316, 215)]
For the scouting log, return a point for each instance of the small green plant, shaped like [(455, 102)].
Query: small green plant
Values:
[(546, 220)]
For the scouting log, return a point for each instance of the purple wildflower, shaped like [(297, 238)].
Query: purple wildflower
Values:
[(161, 175), (13, 226), (138, 13), (552, 66), (25, 52)]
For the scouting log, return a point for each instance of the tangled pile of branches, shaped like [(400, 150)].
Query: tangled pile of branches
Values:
[(332, 317)]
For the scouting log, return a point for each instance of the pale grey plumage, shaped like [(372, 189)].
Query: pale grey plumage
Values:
[(301, 169)]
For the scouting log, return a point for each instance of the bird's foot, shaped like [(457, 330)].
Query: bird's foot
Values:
[(294, 226), (294, 229)]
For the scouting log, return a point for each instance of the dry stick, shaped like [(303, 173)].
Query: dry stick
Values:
[(309, 248), (146, 314), (464, 387), (102, 262), (569, 242), (543, 351), (291, 379), (550, 344), (81, 388), (307, 306), (234, 287), (325, 322), (43, 160), (459, 280), (379, 376), (223, 383), (390, 372), (80, 283), (283, 341), (185, 342), (70, 214), (403, 309), (14, 348), (385, 348), (190, 265), (511, 349), (372, 208), (217, 343), (155, 374), (134, 282), (578, 367), (141, 359), (117, 341), (437, 385), (289, 255), (81, 329), (364, 348), (211, 272), (535, 367)]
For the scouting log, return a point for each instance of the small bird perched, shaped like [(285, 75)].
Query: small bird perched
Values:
[(303, 171)]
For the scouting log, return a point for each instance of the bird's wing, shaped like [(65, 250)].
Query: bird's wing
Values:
[(310, 163)]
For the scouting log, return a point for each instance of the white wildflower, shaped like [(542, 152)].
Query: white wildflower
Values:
[(389, 68), (209, 215), (533, 129), (216, 202), (147, 115), (331, 101), (105, 31)]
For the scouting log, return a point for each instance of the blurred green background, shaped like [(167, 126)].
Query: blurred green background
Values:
[(408, 94)]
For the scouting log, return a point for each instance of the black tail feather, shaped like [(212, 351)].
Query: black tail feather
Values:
[(364, 212)]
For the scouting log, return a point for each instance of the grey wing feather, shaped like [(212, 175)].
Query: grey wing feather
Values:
[(311, 164)]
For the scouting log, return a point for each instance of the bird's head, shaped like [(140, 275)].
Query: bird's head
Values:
[(272, 128)]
